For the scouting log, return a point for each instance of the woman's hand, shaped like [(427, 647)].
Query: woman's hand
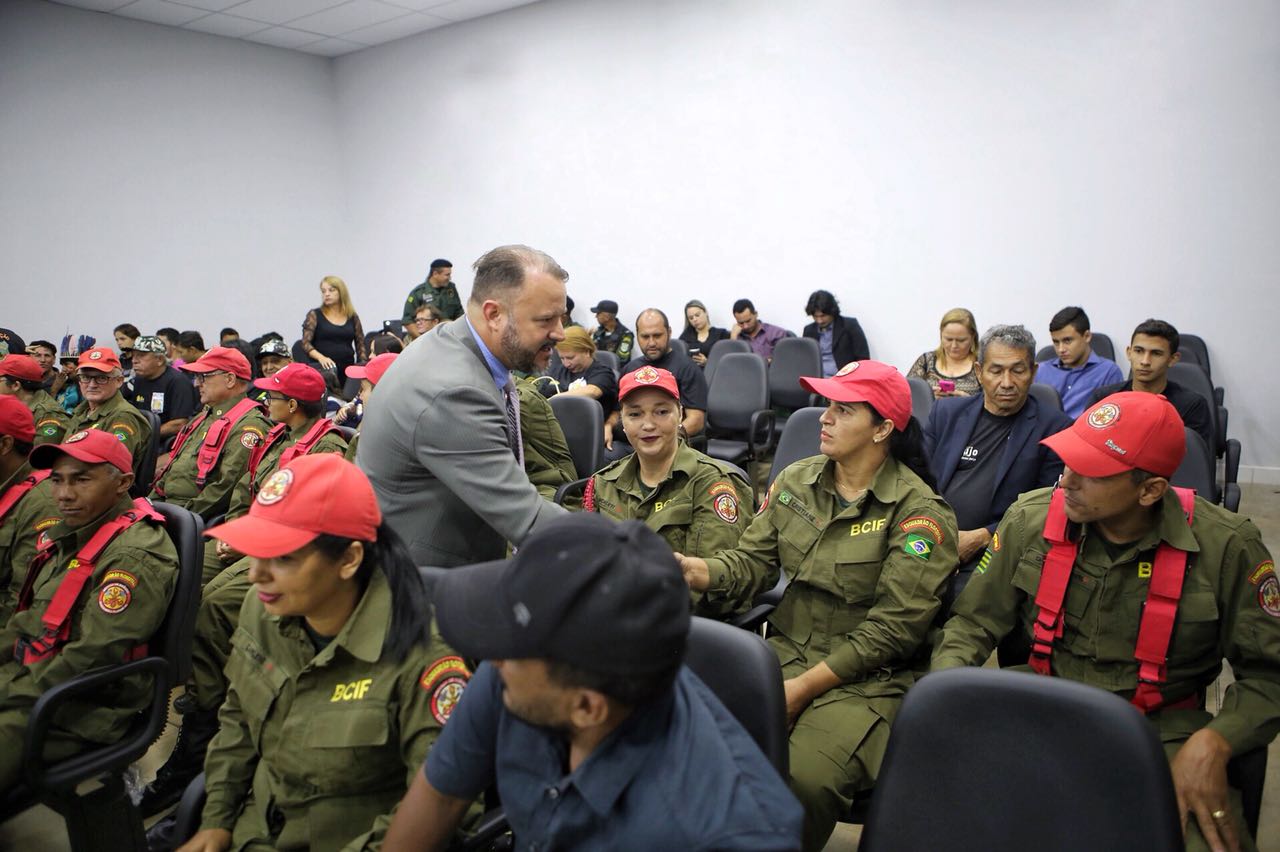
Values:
[(343, 414), (699, 359), (208, 840), (325, 362), (800, 691), (227, 554)]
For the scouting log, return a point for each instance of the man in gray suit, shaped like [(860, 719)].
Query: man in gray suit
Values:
[(441, 444)]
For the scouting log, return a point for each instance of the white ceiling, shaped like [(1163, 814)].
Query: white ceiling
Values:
[(324, 27)]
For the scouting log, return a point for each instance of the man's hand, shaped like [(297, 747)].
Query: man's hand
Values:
[(972, 541), (735, 331), (208, 840), (228, 554), (1200, 781), (695, 572)]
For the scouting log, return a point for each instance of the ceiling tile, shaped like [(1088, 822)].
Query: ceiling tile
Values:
[(349, 16), (331, 47), (95, 5), (386, 31), (225, 25), (209, 5), (283, 37), (416, 5), (160, 12), (461, 10), (282, 11)]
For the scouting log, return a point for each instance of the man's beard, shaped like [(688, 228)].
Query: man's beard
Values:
[(515, 356)]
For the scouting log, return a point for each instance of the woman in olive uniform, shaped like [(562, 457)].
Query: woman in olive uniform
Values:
[(337, 683), (698, 504), (867, 547)]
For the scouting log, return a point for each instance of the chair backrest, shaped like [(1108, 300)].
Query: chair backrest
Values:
[(719, 349), (299, 353), (1194, 378), (1101, 343), (173, 640), (1194, 351), (678, 345), (1046, 353), (146, 467), (1046, 396), (799, 439), (740, 388), (793, 357), (744, 674), (1014, 761), (921, 398), (1198, 469), (611, 359), (582, 421)]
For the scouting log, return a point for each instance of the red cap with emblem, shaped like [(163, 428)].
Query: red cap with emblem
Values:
[(878, 385), (373, 368), (299, 381), (22, 367), (15, 418), (1126, 431), (90, 446), (311, 495), (224, 359), (99, 358), (648, 377)]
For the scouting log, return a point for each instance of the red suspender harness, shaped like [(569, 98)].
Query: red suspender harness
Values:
[(318, 430), (1158, 614), (57, 625), (589, 496), (214, 440), (258, 453), (19, 490)]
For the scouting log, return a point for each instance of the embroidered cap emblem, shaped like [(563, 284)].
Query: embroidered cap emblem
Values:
[(276, 486), (846, 369), (646, 376), (1104, 415)]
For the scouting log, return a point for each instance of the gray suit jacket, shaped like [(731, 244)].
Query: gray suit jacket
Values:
[(434, 444)]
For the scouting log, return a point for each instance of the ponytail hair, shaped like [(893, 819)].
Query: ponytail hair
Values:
[(907, 447), (410, 623)]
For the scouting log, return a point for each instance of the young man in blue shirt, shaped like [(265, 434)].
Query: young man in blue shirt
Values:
[(1078, 371)]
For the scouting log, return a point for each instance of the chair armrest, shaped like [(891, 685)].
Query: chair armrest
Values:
[(186, 819), (75, 769), (1231, 497), (492, 825), (768, 417), (568, 488), (754, 617), (1232, 469), (1218, 395)]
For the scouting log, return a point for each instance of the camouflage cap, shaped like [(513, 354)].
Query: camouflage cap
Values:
[(149, 343)]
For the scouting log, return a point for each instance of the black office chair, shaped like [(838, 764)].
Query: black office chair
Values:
[(611, 359), (719, 349), (1047, 396), (1194, 378), (103, 819), (799, 439), (582, 420), (1101, 343), (145, 471), (793, 357), (921, 398), (1046, 353), (679, 346), (1195, 351), (1014, 761), (1198, 471), (300, 354), (740, 423)]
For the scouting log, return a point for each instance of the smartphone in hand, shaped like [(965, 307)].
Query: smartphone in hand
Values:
[(946, 386)]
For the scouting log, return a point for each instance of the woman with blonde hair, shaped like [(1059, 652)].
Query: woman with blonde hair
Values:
[(577, 371), (332, 335), (951, 369)]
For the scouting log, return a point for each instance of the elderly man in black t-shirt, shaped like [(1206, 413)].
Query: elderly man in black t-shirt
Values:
[(985, 450), (160, 389)]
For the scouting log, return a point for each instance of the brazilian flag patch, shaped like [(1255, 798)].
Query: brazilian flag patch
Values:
[(919, 547)]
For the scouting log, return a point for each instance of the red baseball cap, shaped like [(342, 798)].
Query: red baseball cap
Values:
[(16, 419), (372, 369), (647, 377), (300, 381), (315, 494), (89, 445), (21, 367), (877, 384), (99, 358), (1125, 431), (222, 358)]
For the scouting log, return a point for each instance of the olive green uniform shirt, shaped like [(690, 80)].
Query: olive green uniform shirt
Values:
[(178, 484), (118, 417), (700, 509), (331, 739), (120, 607), (866, 580), (19, 531), (547, 461), (51, 421), (445, 298), (1230, 607)]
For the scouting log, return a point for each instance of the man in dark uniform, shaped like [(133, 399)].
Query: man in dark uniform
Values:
[(159, 388), (609, 334), (1122, 582), (21, 377), (437, 290), (26, 502), (100, 379)]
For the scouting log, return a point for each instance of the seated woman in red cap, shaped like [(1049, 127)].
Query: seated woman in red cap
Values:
[(338, 683), (868, 548), (352, 414), (698, 504)]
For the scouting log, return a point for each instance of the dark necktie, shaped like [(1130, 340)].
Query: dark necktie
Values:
[(513, 419)]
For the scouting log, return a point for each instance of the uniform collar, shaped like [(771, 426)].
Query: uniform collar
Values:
[(23, 471), (106, 408), (884, 484), (227, 404), (60, 532), (363, 634), (298, 433), (627, 474), (1173, 526)]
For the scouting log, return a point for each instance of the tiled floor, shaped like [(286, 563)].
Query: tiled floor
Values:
[(41, 830)]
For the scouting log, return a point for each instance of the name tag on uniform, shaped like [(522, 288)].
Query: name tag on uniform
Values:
[(157, 401)]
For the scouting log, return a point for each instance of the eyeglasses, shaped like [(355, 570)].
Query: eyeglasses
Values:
[(201, 378), (274, 398), (425, 321), (95, 379)]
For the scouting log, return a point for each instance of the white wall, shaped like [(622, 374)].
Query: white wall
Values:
[(1010, 157), (161, 177)]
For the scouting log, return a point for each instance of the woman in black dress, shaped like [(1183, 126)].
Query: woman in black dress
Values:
[(699, 335), (331, 334)]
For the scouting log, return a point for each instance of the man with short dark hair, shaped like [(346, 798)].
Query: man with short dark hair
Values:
[(1078, 371), (583, 715), (438, 289), (159, 388), (1152, 350), (1123, 582), (45, 354), (228, 336), (190, 346), (610, 335), (984, 451), (760, 336), (170, 337), (21, 377), (100, 379)]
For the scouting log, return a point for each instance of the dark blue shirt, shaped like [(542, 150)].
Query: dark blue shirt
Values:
[(679, 773), (1076, 386)]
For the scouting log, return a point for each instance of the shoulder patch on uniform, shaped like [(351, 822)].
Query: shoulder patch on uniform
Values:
[(923, 526), (1262, 570), (444, 679), (995, 542), (114, 597), (722, 488), (120, 576), (44, 523), (120, 426), (981, 567), (249, 440), (725, 505), (919, 547), (1269, 596)]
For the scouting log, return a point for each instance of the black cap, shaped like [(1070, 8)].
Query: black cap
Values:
[(440, 263), (608, 306), (600, 595)]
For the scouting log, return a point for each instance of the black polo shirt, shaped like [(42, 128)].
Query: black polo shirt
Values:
[(170, 397), (689, 377)]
